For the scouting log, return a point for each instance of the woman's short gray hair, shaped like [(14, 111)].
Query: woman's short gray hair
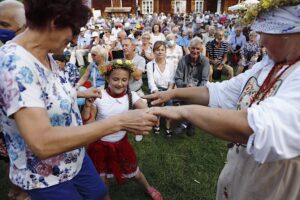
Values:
[(196, 41), (146, 34), (15, 9)]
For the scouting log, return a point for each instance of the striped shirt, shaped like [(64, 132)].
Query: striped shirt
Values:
[(215, 52)]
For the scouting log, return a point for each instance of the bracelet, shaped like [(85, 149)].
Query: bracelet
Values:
[(85, 120)]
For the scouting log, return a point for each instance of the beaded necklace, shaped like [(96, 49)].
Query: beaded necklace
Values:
[(269, 83)]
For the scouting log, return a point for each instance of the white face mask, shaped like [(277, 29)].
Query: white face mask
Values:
[(171, 43)]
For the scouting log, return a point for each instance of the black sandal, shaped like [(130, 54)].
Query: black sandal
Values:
[(169, 132), (156, 130)]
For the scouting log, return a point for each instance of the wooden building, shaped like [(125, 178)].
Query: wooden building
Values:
[(166, 6)]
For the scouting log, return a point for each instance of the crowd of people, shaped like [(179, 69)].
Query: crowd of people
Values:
[(169, 51), (180, 61)]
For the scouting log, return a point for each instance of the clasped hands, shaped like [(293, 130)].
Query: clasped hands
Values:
[(141, 121)]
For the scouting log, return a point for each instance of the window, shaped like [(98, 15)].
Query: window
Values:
[(199, 6), (147, 7), (180, 6)]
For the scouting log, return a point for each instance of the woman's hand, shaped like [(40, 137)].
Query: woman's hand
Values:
[(138, 121), (90, 93), (89, 101), (159, 97)]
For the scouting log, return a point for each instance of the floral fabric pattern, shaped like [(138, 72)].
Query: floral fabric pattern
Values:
[(72, 73), (284, 20), (25, 82), (249, 54)]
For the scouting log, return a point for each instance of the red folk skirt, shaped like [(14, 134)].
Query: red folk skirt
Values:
[(114, 159)]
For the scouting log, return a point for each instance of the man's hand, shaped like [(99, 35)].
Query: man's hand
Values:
[(139, 121), (169, 112), (159, 97)]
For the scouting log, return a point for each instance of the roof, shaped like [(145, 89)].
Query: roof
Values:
[(117, 9)]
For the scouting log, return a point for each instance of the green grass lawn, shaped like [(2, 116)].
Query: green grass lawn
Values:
[(181, 168)]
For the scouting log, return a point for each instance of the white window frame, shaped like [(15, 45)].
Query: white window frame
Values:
[(199, 6), (147, 6), (182, 6)]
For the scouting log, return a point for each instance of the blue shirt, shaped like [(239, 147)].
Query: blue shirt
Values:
[(186, 41), (235, 41), (99, 80), (180, 40)]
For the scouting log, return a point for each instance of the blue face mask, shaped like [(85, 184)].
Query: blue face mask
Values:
[(6, 35)]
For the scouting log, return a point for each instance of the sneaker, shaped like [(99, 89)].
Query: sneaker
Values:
[(156, 130), (190, 131), (181, 129), (138, 138), (168, 132)]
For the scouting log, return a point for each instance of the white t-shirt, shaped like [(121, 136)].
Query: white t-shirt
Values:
[(109, 106)]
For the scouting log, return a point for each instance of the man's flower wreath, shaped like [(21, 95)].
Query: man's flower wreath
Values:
[(264, 6), (117, 64)]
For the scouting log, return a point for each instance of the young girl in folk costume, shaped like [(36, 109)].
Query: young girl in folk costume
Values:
[(112, 155)]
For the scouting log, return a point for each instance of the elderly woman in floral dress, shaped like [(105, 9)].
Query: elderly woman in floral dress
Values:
[(41, 121), (250, 52)]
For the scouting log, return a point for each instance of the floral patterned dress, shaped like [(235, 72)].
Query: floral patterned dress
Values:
[(26, 83), (249, 54)]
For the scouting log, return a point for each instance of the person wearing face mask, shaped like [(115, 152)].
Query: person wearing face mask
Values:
[(174, 51), (12, 20)]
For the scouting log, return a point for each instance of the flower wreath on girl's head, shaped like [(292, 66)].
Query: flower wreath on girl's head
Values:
[(264, 6), (117, 64)]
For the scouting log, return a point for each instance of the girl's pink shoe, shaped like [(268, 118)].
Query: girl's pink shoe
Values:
[(154, 194)]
